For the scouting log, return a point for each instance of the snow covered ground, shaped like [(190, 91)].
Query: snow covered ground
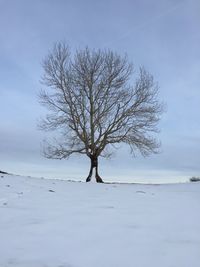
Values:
[(54, 223)]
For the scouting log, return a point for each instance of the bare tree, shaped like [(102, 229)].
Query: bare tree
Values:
[(95, 105)]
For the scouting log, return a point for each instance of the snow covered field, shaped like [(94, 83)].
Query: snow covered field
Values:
[(54, 223)]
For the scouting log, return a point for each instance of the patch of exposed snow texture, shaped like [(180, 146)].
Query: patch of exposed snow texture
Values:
[(53, 223)]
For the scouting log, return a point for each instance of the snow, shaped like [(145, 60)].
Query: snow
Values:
[(98, 225)]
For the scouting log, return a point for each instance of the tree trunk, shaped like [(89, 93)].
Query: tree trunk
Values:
[(90, 173), (94, 164), (98, 178)]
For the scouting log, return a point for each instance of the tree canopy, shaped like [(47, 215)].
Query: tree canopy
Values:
[(94, 104)]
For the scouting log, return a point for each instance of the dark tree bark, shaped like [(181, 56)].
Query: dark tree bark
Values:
[(94, 164), (90, 173), (98, 178)]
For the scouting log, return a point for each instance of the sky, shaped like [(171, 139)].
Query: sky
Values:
[(163, 36)]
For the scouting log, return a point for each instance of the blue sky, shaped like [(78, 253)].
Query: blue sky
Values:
[(163, 36)]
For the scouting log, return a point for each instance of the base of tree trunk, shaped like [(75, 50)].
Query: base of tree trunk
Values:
[(88, 179), (94, 165), (99, 179)]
